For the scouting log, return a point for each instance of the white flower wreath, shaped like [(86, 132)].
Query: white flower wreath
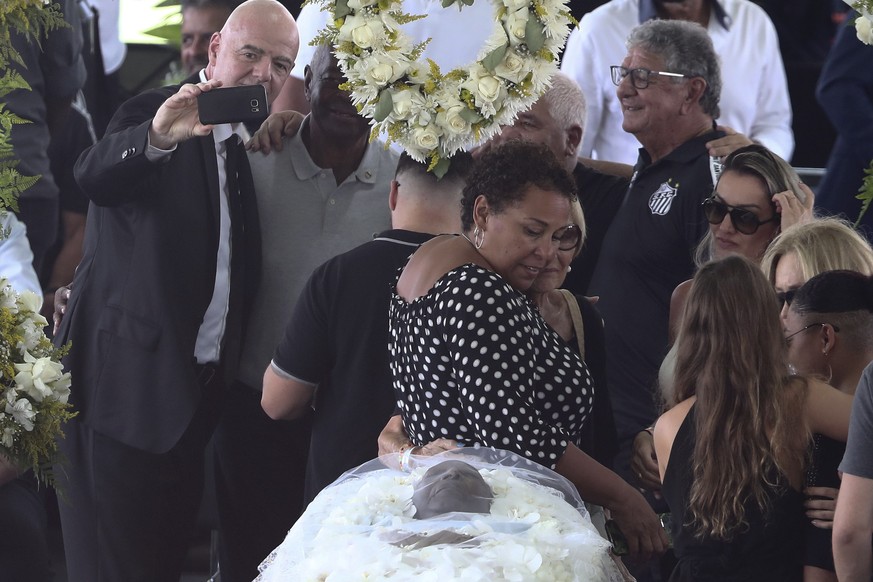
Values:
[(434, 114)]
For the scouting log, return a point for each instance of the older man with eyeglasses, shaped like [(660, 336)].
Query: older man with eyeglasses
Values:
[(755, 98), (668, 86)]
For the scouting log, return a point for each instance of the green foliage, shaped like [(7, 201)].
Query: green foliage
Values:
[(31, 18), (865, 193)]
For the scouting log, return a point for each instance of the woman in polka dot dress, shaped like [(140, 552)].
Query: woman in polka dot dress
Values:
[(472, 359)]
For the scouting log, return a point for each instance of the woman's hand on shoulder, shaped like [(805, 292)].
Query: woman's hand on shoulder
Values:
[(820, 505)]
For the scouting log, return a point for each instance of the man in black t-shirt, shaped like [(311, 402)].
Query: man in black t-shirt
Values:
[(334, 355)]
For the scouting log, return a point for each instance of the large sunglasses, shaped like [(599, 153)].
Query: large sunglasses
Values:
[(568, 238), (786, 297), (744, 221)]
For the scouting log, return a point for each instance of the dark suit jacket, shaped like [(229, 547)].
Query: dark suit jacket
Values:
[(145, 281)]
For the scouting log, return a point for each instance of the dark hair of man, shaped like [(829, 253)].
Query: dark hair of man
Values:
[(503, 175), (459, 167), (835, 292), (842, 298)]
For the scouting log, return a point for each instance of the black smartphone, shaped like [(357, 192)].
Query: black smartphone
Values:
[(246, 103)]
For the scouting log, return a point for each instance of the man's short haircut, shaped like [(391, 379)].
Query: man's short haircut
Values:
[(565, 102), (459, 168), (229, 4), (687, 49)]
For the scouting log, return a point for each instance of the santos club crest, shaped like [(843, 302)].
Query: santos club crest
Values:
[(662, 199)]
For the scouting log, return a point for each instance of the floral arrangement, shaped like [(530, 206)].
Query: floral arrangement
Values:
[(35, 389), (432, 113), (532, 534), (864, 30)]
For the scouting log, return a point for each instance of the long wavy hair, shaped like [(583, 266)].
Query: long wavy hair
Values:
[(731, 355)]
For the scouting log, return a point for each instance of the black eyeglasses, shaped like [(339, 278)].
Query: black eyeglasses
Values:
[(640, 77), (568, 238), (786, 297), (744, 221), (790, 336)]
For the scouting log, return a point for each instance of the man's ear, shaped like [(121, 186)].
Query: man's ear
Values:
[(392, 195), (695, 88), (572, 139), (828, 338), (307, 81), (212, 53)]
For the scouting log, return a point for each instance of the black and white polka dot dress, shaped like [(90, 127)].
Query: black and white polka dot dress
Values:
[(473, 361)]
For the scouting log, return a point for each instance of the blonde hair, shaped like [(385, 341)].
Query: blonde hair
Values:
[(826, 244), (746, 429), (578, 218)]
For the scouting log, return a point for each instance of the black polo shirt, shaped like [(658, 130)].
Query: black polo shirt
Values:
[(647, 252), (337, 339), (600, 195)]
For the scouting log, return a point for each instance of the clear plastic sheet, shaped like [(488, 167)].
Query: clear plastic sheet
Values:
[(363, 526)]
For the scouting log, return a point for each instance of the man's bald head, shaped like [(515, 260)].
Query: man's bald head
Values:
[(256, 46)]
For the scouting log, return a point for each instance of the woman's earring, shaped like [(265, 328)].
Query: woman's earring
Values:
[(569, 268), (478, 238)]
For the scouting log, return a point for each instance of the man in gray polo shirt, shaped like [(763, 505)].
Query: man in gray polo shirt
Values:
[(322, 194)]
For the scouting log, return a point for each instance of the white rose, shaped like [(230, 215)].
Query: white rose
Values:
[(30, 301), (426, 138), (515, 24), (488, 88), (512, 68), (381, 70), (864, 29), (23, 413), (365, 33), (36, 376), (513, 5), (357, 5), (452, 122), (381, 73), (404, 102)]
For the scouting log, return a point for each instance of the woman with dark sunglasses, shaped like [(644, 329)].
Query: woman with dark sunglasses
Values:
[(757, 196), (825, 244)]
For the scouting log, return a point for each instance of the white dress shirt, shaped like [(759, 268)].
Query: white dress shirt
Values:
[(207, 348), (16, 258)]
